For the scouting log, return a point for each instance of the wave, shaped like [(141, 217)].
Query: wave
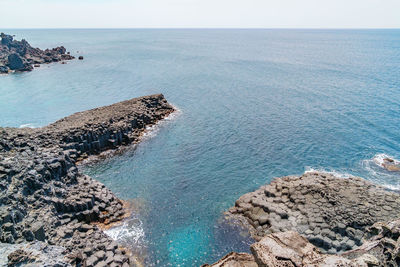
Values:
[(28, 125), (130, 232), (335, 173), (381, 159), (376, 168), (152, 130)]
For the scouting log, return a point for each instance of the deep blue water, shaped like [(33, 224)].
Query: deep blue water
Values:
[(254, 104)]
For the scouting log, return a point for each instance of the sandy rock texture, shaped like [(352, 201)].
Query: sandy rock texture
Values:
[(44, 198)]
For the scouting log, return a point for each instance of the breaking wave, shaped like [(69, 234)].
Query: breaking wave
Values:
[(379, 174), (28, 125), (130, 232), (152, 130), (335, 173)]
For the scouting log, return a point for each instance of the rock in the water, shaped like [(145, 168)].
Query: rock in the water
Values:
[(20, 56), (391, 165), (80, 58)]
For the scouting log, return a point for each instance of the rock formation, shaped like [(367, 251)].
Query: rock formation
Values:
[(20, 56), (290, 249), (307, 220), (45, 199), (331, 212)]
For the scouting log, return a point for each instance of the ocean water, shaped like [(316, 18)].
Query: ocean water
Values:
[(253, 105)]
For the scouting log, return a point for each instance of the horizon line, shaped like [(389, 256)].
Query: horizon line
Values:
[(201, 28)]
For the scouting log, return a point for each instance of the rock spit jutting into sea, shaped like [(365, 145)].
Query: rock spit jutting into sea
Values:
[(318, 219), (21, 56), (50, 212)]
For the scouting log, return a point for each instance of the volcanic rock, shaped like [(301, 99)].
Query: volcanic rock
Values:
[(44, 198), (20, 55), (332, 213)]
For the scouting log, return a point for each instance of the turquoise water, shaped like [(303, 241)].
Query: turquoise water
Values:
[(254, 104)]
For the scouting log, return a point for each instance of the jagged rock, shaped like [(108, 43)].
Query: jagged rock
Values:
[(32, 254), (391, 165), (20, 56), (4, 69), (44, 196), (234, 259), (332, 213), (15, 62), (290, 249)]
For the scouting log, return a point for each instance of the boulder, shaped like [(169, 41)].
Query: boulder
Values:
[(6, 39), (4, 69), (15, 62)]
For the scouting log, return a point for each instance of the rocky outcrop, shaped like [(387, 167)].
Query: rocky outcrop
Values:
[(235, 259), (318, 219), (293, 250), (32, 254), (21, 56), (391, 165), (333, 213), (44, 198)]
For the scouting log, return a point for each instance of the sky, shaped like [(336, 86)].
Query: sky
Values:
[(199, 14)]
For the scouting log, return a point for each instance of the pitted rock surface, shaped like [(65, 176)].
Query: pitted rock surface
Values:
[(290, 249), (332, 213), (45, 198)]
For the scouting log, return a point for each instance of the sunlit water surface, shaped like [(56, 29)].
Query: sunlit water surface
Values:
[(254, 104)]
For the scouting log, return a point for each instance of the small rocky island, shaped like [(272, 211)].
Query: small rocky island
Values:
[(318, 219), (49, 212), (21, 56)]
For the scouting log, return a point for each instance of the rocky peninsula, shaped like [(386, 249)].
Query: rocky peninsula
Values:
[(318, 219), (21, 56), (49, 211)]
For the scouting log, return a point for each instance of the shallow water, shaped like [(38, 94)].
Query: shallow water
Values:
[(254, 104)]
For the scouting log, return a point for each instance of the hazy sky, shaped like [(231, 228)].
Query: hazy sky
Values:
[(200, 13)]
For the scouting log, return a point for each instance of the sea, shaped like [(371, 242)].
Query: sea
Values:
[(252, 105)]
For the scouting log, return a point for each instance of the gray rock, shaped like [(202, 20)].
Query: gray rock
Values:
[(15, 62)]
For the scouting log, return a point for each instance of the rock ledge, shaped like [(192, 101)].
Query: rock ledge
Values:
[(45, 200)]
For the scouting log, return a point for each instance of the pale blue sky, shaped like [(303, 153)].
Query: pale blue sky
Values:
[(199, 13)]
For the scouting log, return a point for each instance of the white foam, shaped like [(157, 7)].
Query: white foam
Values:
[(130, 231), (152, 130), (335, 173), (379, 174), (379, 159), (27, 125)]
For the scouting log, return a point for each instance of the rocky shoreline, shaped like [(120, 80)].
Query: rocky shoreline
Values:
[(318, 219), (21, 56), (47, 206)]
